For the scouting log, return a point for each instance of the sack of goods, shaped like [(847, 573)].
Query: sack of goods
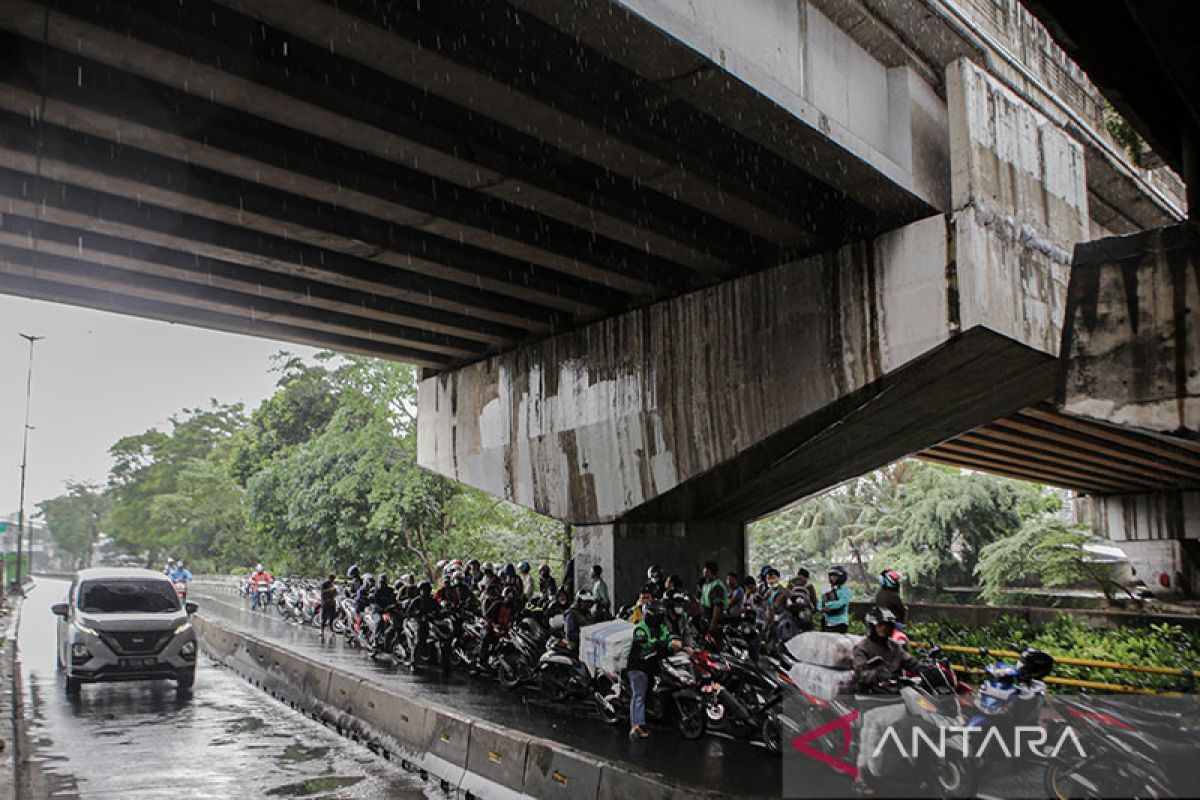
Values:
[(831, 650), (823, 682), (605, 646)]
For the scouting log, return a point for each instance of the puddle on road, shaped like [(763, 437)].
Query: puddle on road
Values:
[(295, 753), (312, 786), (245, 725)]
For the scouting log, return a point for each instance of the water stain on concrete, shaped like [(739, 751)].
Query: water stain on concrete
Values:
[(313, 786)]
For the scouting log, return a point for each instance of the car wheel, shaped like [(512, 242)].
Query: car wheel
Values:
[(187, 681), (73, 686)]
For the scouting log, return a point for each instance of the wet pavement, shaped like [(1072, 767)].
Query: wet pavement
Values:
[(227, 739), (714, 763)]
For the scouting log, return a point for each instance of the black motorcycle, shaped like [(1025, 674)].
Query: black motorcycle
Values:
[(561, 675), (434, 648), (519, 652), (674, 694)]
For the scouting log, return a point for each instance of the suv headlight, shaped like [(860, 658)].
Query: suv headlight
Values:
[(88, 629), (79, 653), (186, 625)]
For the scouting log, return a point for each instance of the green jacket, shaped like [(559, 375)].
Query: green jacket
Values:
[(649, 646)]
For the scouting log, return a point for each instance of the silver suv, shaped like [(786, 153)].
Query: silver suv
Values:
[(125, 625)]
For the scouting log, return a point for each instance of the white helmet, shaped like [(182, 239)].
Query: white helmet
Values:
[(406, 579), (440, 565), (170, 561), (258, 568)]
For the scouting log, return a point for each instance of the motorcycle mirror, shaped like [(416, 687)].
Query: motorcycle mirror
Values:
[(191, 607)]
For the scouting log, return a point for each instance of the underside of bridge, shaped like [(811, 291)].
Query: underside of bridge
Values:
[(667, 266), (430, 182)]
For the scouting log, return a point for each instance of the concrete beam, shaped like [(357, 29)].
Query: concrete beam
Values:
[(711, 405), (1131, 348)]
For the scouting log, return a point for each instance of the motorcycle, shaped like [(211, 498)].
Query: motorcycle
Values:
[(674, 694), (181, 589), (519, 652), (439, 634), (561, 675), (740, 696), (1011, 696), (1126, 751), (468, 639)]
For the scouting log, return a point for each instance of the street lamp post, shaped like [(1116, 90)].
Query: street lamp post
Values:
[(25, 462)]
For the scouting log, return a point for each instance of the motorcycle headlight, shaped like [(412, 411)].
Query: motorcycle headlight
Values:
[(85, 628)]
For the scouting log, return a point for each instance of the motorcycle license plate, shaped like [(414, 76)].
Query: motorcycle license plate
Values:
[(138, 663)]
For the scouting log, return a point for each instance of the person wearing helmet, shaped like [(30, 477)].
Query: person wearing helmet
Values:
[(354, 576), (487, 576), (384, 595), (835, 602), (576, 616), (527, 585), (888, 596), (472, 573), (500, 614), (676, 603), (546, 585), (654, 579), (422, 608), (652, 641), (260, 587), (877, 662), (170, 566)]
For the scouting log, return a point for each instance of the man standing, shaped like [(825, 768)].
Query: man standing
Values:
[(600, 593), (329, 593), (835, 602), (652, 641), (713, 600)]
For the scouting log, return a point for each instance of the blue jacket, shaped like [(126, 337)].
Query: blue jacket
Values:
[(836, 605)]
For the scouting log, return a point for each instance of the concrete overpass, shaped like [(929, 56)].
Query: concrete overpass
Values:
[(668, 267)]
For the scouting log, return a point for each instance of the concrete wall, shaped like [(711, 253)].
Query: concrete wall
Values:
[(594, 423), (1159, 531), (1019, 193), (1132, 346)]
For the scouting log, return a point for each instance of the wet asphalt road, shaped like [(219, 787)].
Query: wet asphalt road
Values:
[(718, 763), (131, 740)]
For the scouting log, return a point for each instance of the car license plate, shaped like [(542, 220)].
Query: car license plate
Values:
[(138, 662)]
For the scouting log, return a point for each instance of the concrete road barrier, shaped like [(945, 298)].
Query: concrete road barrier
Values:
[(556, 772), (466, 755), (497, 754)]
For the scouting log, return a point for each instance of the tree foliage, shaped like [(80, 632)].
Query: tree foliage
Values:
[(73, 520)]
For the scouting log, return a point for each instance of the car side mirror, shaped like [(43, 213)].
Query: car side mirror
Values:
[(190, 607), (61, 609)]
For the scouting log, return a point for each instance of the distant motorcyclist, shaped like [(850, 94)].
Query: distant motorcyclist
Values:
[(678, 621), (354, 576), (260, 586), (384, 595), (654, 580), (406, 588), (363, 597), (170, 566), (180, 572), (487, 576), (888, 596), (577, 616), (527, 584), (835, 602), (421, 608), (500, 615), (546, 586)]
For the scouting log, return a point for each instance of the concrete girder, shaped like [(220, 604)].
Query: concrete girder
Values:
[(413, 129), (45, 237), (88, 210), (75, 160)]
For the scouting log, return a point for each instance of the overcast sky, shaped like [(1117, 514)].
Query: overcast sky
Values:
[(98, 377)]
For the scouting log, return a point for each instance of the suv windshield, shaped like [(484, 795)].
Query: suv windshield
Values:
[(128, 596)]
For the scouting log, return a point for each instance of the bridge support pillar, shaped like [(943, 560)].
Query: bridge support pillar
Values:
[(626, 549)]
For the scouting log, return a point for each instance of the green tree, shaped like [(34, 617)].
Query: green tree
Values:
[(73, 520)]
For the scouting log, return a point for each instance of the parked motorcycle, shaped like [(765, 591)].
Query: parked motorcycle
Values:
[(438, 640), (519, 653), (561, 675)]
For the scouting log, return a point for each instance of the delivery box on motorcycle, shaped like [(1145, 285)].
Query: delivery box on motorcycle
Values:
[(823, 682), (831, 650), (605, 646)]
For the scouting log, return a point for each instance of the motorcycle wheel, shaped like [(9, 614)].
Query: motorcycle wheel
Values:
[(507, 674), (691, 718), (606, 708), (339, 625), (954, 777), (1061, 784)]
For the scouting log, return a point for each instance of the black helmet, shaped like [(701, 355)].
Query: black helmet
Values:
[(654, 613), (654, 573), (510, 594), (523, 567), (837, 575), (1036, 664), (677, 600), (878, 615), (474, 564), (353, 572), (509, 571), (425, 587), (383, 580)]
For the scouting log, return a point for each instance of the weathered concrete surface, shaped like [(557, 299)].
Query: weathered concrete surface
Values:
[(1020, 205), (589, 425), (1159, 531), (625, 550), (726, 384), (1131, 346)]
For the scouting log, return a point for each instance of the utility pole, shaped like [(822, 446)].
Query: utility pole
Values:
[(25, 464)]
